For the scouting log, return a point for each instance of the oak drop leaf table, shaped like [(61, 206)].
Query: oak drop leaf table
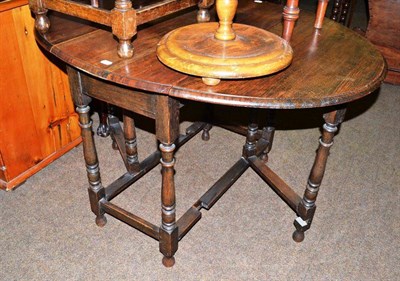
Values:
[(331, 67)]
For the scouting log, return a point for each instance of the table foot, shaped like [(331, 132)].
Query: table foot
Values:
[(42, 22), (264, 158), (298, 236), (203, 14), (114, 145), (125, 48), (101, 220), (205, 136), (168, 261), (103, 130)]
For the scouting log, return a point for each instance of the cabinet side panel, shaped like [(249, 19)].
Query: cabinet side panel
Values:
[(19, 140), (3, 175), (50, 99)]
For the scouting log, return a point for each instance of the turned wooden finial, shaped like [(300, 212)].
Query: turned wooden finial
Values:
[(226, 10)]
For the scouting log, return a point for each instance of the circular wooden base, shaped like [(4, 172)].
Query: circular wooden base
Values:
[(194, 50)]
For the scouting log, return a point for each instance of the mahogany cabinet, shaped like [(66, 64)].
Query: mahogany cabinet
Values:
[(37, 119), (384, 31)]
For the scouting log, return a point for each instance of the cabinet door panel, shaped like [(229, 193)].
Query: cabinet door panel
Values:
[(19, 138), (37, 118)]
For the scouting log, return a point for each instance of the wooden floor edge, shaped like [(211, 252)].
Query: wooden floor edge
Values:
[(15, 182)]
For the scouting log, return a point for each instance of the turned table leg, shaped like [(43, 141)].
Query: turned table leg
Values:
[(306, 207), (167, 132), (249, 148), (130, 143), (103, 130), (169, 230), (96, 189), (268, 134)]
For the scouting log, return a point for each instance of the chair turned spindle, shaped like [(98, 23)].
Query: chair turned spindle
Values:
[(123, 18), (321, 11), (291, 14)]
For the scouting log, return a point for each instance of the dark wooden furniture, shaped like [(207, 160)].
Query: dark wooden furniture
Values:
[(145, 86), (384, 31), (342, 11), (37, 119), (224, 50), (123, 17)]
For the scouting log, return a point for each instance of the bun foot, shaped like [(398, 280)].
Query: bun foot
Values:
[(103, 130), (205, 136), (125, 49), (211, 81), (264, 158), (101, 221), (168, 262), (114, 145), (42, 22), (298, 236)]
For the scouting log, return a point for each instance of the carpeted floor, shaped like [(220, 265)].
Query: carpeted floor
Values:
[(47, 230)]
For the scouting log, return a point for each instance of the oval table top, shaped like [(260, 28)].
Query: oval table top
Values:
[(330, 66)]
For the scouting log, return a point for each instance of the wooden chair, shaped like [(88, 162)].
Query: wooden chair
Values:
[(291, 14), (126, 15), (123, 18)]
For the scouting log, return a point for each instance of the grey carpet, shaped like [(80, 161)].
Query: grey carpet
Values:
[(47, 230)]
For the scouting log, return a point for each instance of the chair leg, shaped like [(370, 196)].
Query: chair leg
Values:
[(203, 14), (306, 207), (42, 22), (321, 11), (290, 15)]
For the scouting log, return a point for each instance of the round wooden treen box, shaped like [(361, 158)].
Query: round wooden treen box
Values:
[(223, 50)]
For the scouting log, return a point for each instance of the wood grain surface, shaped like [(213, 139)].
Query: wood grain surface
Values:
[(330, 66), (384, 32), (38, 123)]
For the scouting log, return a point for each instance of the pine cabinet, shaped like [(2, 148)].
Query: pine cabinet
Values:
[(37, 119)]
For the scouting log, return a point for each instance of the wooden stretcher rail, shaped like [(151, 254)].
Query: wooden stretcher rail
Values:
[(131, 219), (128, 179), (283, 190), (164, 8)]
